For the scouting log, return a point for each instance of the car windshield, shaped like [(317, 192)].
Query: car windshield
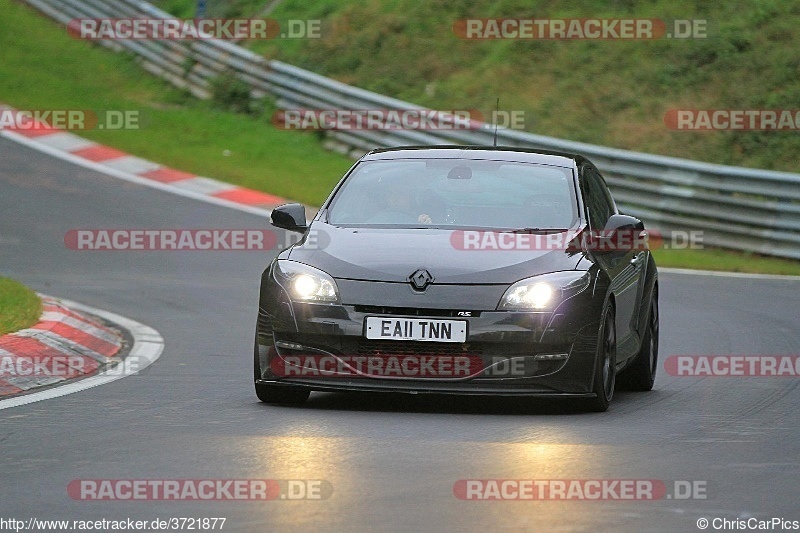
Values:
[(465, 193)]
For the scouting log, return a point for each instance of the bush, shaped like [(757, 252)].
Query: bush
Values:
[(229, 93)]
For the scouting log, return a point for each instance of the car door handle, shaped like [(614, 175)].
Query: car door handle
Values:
[(638, 258)]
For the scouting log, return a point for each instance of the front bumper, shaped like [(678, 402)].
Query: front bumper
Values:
[(519, 353)]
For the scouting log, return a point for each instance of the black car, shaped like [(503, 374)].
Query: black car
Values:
[(460, 270)]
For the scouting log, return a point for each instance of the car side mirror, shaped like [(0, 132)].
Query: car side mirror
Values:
[(622, 233), (622, 222), (290, 217)]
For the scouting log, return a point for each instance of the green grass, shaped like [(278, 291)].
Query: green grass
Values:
[(19, 306), (42, 67)]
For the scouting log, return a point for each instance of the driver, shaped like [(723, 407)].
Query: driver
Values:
[(401, 208)]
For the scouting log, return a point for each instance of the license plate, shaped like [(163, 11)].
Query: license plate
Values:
[(416, 329)]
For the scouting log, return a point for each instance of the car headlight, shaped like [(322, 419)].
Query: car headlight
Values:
[(543, 292), (305, 283)]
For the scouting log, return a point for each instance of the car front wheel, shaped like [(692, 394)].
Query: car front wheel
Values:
[(641, 375), (605, 362)]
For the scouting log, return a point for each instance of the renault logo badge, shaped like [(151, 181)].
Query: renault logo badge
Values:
[(420, 279)]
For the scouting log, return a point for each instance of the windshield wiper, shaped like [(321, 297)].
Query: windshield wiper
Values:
[(536, 230)]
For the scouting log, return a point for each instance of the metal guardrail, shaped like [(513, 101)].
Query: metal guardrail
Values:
[(739, 208)]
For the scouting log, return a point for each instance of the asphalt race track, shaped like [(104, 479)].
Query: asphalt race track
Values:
[(392, 460)]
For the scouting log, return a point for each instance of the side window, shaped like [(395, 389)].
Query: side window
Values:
[(606, 193), (597, 198)]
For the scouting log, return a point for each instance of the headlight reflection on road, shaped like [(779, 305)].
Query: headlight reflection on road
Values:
[(297, 457), (537, 460)]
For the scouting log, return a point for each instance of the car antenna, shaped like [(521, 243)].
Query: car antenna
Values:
[(496, 112)]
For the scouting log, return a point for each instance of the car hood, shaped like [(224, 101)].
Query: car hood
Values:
[(392, 255)]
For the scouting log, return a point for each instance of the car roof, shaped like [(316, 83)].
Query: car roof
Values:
[(501, 153)]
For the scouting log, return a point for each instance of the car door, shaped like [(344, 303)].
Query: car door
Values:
[(624, 266)]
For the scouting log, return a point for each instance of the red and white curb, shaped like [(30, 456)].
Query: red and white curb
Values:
[(64, 344), (69, 345), (116, 163)]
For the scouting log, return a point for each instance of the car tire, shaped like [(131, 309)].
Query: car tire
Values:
[(279, 394), (605, 362), (641, 374)]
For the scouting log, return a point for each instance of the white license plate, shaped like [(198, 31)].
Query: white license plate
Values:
[(416, 329)]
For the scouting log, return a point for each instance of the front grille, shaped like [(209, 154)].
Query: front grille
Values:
[(413, 311), (378, 347)]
